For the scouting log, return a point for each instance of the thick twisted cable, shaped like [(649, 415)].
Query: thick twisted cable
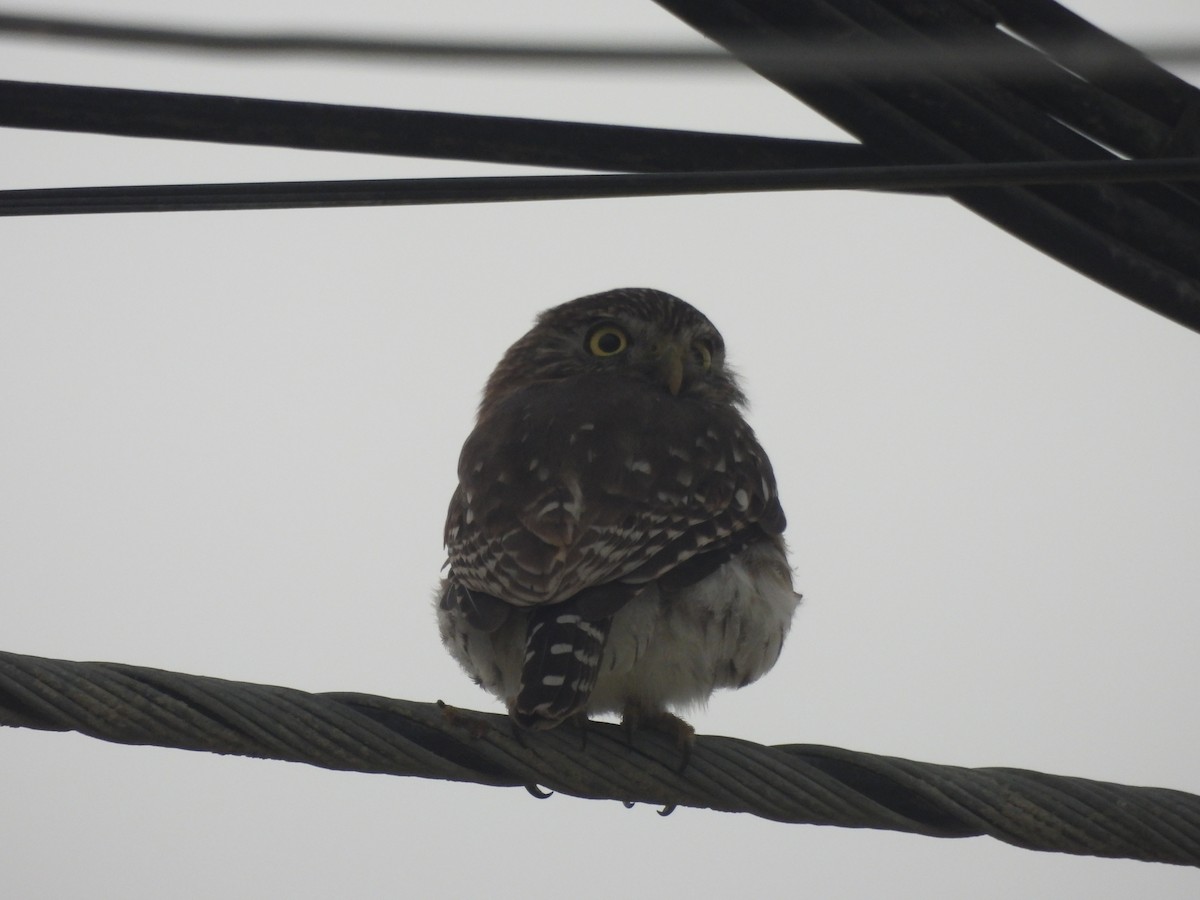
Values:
[(796, 783)]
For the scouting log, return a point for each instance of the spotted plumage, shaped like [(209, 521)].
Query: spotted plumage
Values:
[(614, 541)]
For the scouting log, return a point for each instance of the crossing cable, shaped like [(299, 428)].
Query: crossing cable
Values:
[(799, 783), (1139, 240), (1056, 103)]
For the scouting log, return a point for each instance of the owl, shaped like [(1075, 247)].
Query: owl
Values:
[(615, 541)]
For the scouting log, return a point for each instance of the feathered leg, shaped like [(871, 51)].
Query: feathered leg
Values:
[(562, 658)]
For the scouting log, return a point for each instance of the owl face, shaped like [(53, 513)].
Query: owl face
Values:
[(637, 335)]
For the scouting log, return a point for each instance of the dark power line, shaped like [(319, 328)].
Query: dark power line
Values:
[(405, 132), (802, 58), (1137, 239), (508, 189), (1058, 102)]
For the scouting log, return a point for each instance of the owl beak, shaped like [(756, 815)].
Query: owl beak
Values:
[(671, 361)]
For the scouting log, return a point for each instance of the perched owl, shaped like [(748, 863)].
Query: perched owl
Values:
[(615, 539)]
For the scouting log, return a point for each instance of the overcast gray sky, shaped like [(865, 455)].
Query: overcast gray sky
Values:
[(229, 440)]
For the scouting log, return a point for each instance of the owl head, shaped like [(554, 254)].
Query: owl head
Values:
[(633, 335)]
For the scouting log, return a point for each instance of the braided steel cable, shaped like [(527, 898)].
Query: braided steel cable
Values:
[(792, 783)]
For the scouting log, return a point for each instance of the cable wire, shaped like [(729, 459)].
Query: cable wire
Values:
[(1139, 240), (402, 132), (802, 58), (508, 189), (790, 783)]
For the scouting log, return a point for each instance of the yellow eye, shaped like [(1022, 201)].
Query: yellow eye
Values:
[(607, 340), (703, 354)]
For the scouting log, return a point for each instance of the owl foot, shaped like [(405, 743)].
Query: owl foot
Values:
[(520, 725), (635, 717), (456, 718)]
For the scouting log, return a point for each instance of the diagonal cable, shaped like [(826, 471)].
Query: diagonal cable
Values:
[(1137, 239), (402, 132), (816, 55), (507, 189)]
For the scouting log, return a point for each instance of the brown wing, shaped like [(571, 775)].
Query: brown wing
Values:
[(571, 485)]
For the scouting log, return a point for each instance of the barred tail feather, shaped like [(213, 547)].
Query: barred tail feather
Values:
[(562, 658)]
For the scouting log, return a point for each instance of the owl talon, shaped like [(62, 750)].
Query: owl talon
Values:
[(535, 791), (634, 717), (664, 812)]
